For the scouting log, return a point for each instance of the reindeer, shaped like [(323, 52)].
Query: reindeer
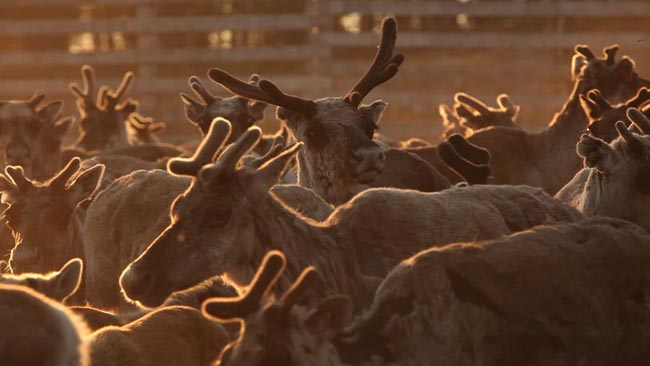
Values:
[(616, 178), (546, 159), (143, 130), (338, 157), (227, 219), (603, 115), (573, 293), (58, 285), (38, 331)]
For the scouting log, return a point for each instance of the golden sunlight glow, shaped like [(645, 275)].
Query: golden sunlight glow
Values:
[(81, 43), (221, 39), (351, 22)]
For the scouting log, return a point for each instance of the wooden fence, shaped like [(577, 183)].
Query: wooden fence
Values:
[(316, 48)]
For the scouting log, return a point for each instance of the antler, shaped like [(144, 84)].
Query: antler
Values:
[(469, 100), (585, 51), (638, 118), (610, 54), (472, 173), (17, 175), (299, 287), (635, 145), (217, 134), (595, 96), (264, 91), (61, 178), (267, 275), (642, 96), (227, 161), (145, 124), (383, 67), (200, 90), (36, 99), (112, 98), (88, 77)]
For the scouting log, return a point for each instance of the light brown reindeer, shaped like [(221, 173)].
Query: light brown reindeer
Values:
[(58, 285), (567, 294), (339, 158), (227, 219), (615, 180)]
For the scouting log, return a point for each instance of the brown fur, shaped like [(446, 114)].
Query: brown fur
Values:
[(173, 336), (226, 220), (58, 285), (546, 159), (568, 294), (37, 331)]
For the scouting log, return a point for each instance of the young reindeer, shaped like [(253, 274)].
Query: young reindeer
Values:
[(338, 157), (227, 219), (44, 216), (567, 294), (58, 285), (615, 181), (38, 331), (603, 115)]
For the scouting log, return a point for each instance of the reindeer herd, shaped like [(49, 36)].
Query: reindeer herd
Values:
[(328, 243)]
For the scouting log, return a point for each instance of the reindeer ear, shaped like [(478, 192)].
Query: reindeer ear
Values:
[(67, 280), (578, 62), (51, 111), (85, 185), (256, 110), (374, 110), (270, 173), (625, 68), (330, 317)]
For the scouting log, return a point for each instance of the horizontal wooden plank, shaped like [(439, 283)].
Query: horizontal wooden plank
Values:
[(488, 40), (106, 2), (491, 8), (25, 88), (157, 25), (163, 56)]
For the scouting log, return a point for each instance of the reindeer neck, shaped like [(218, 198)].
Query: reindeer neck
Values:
[(304, 243), (333, 191), (571, 121)]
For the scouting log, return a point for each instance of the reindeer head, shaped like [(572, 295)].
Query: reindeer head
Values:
[(102, 123), (622, 171), (603, 115), (616, 80), (241, 112), (143, 130), (57, 285), (212, 223), (20, 125), (283, 331), (475, 114), (336, 132), (39, 214)]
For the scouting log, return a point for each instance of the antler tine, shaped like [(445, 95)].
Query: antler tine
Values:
[(88, 78), (239, 87), (267, 275), (304, 106), (277, 147), (113, 98), (383, 67), (610, 54), (635, 145), (639, 119), (139, 121), (200, 90), (17, 174), (300, 287), (61, 178), (227, 161), (472, 173), (595, 96), (505, 102), (36, 99), (217, 134), (254, 79), (469, 100), (187, 100), (642, 96), (585, 51)]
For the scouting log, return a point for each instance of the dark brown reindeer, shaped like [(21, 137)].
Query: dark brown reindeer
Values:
[(339, 158), (228, 219), (21, 124), (103, 117), (241, 112), (42, 215), (603, 115), (143, 130), (566, 294)]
